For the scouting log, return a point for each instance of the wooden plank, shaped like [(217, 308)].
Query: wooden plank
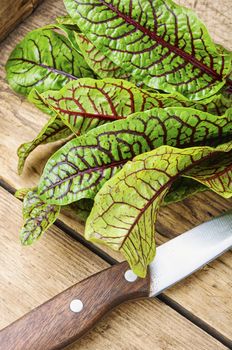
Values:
[(15, 111), (31, 275), (12, 12)]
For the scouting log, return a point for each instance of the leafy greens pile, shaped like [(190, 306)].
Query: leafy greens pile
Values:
[(141, 97)]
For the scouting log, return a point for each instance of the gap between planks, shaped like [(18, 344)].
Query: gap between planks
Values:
[(111, 261)]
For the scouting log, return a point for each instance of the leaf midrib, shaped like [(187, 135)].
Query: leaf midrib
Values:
[(187, 57), (89, 115), (52, 69)]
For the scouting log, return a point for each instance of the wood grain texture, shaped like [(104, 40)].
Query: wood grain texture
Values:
[(32, 275), (198, 293), (12, 12), (53, 325)]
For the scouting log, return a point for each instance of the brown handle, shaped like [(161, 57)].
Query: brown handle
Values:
[(53, 325)]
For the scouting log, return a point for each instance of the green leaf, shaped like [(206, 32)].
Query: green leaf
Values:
[(80, 168), (38, 217), (125, 209), (52, 131), (160, 43), (87, 103), (46, 60), (21, 193)]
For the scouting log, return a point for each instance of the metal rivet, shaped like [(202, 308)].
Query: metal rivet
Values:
[(130, 276), (76, 305)]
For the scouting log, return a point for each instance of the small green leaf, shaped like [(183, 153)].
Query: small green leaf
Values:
[(80, 168), (21, 193), (38, 217), (160, 43), (46, 60), (125, 209)]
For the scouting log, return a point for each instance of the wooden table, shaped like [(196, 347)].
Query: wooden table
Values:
[(195, 314)]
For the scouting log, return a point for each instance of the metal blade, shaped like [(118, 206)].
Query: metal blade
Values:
[(188, 252)]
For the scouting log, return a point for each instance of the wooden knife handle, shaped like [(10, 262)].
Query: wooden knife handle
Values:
[(54, 325)]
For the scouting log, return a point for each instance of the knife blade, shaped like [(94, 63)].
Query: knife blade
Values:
[(185, 254), (70, 314)]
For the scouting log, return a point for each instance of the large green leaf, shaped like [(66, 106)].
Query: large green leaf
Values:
[(38, 217), (46, 60), (87, 103), (80, 168), (160, 43), (125, 209)]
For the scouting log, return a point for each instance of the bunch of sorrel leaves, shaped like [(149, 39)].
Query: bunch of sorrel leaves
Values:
[(141, 97)]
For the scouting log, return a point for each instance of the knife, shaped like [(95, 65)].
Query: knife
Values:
[(66, 317)]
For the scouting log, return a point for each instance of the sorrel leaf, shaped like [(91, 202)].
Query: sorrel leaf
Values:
[(46, 60), (160, 43), (52, 131), (38, 217), (87, 103), (80, 168), (125, 209), (73, 102), (21, 193)]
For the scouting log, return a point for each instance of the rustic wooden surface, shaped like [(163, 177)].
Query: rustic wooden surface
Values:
[(205, 298), (30, 276), (13, 12)]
